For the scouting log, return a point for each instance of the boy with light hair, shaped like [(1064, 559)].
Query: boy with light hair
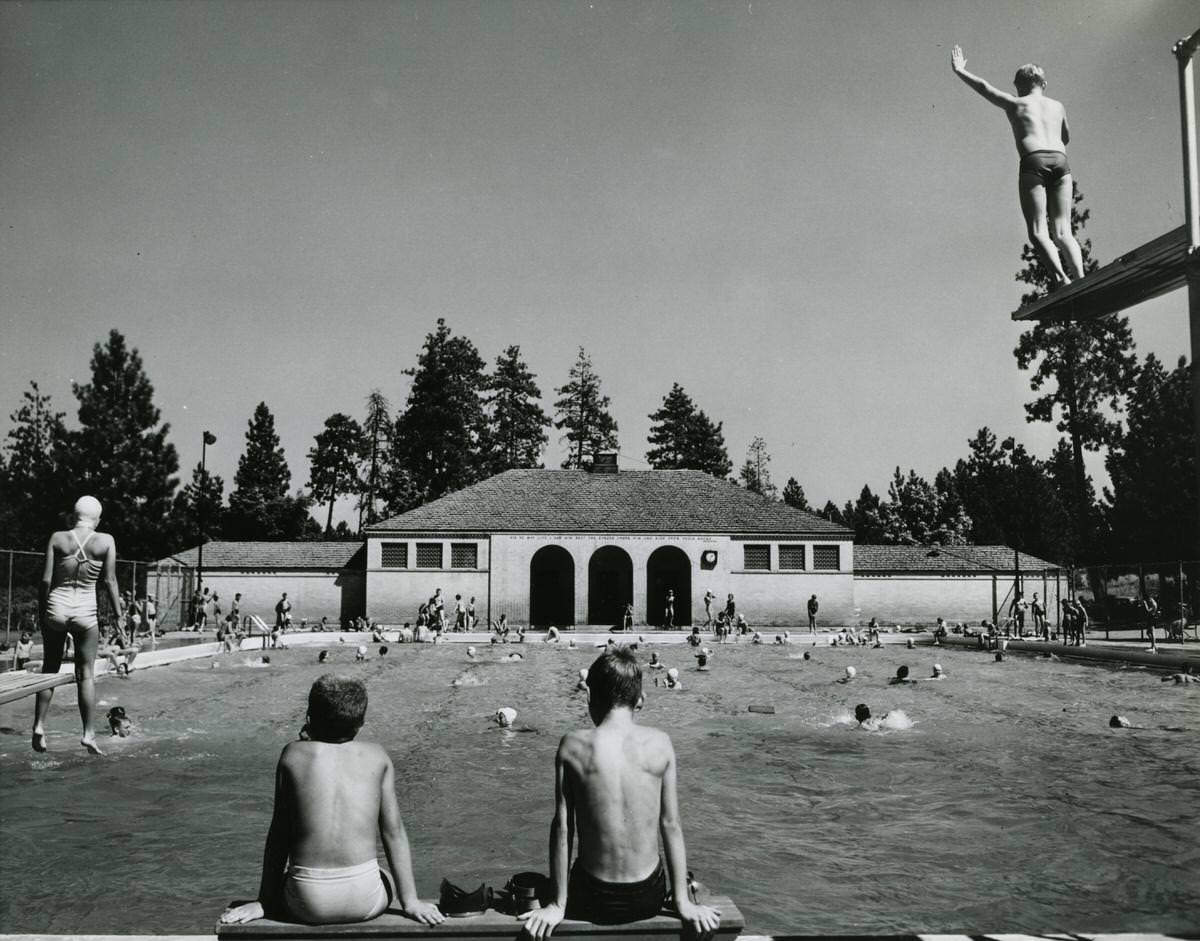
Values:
[(1039, 125), (615, 788)]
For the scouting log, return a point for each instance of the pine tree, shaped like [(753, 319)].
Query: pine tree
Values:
[(377, 433), (865, 517), (259, 506), (516, 422), (793, 495), (582, 409), (438, 437), (1152, 498), (684, 438), (831, 512), (120, 454), (334, 462), (1081, 372), (200, 501), (32, 500), (915, 514), (756, 472)]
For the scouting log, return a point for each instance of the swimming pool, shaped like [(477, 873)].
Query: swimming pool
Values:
[(1007, 805)]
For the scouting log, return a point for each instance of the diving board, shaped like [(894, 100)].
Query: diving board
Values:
[(18, 685), (1153, 269), (490, 926)]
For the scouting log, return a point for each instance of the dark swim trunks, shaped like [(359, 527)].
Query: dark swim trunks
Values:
[(1043, 167), (614, 903)]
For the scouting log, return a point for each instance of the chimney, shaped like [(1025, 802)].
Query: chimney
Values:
[(604, 462)]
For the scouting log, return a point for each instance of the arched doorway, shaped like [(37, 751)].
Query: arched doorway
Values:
[(610, 585), (551, 587), (668, 568)]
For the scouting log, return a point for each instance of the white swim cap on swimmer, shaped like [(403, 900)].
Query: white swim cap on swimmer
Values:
[(87, 508), (362, 649), (673, 673), (582, 673), (851, 673), (506, 715), (937, 668), (471, 651)]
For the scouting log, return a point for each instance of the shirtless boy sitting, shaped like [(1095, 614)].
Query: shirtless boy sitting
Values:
[(332, 796), (615, 787), (1039, 125)]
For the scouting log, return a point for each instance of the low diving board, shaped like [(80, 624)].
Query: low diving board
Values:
[(490, 926), (1144, 273), (18, 685)]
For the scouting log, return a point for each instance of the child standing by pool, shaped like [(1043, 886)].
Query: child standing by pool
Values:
[(332, 796), (615, 787)]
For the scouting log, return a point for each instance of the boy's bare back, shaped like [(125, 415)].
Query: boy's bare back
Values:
[(1038, 123), (332, 793), (614, 782)]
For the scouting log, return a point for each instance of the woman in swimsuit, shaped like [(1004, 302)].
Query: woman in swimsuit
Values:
[(75, 561)]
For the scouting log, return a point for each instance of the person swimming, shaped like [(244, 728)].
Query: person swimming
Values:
[(551, 634), (673, 679), (471, 652), (938, 673), (900, 677), (505, 716), (361, 653), (702, 656), (581, 685), (851, 673), (322, 656), (118, 722), (655, 663)]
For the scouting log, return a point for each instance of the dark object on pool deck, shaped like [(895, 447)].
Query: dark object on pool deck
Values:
[(459, 903), (526, 891), (765, 710), (490, 925)]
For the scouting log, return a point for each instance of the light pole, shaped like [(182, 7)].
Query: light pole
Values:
[(1010, 445), (209, 438)]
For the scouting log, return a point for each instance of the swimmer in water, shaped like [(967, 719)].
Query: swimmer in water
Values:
[(673, 679), (702, 656), (654, 664), (1187, 676), (582, 686), (938, 673), (361, 653), (900, 677), (756, 638), (807, 655), (551, 634), (383, 650), (471, 652), (118, 722), (505, 716), (866, 721), (322, 656), (851, 673)]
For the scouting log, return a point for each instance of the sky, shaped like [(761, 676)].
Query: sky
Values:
[(794, 210)]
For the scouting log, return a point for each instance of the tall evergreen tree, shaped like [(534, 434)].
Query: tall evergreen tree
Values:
[(121, 454), (865, 517), (333, 463), (438, 437), (32, 500), (1152, 498), (582, 409), (793, 495), (1081, 373), (200, 501), (516, 421), (756, 471), (377, 435), (259, 506), (831, 512), (916, 514), (684, 438)]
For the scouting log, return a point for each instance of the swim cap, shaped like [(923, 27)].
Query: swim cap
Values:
[(1118, 722), (861, 712), (362, 649), (471, 651), (505, 716), (88, 507), (673, 673), (937, 669), (582, 673), (851, 673)]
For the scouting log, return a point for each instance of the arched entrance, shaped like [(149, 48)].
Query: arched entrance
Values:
[(551, 587), (668, 568), (610, 585)]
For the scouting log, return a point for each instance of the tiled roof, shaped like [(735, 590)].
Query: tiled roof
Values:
[(276, 555), (948, 559), (669, 501)]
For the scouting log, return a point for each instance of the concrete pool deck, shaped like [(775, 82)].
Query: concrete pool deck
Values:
[(611, 933)]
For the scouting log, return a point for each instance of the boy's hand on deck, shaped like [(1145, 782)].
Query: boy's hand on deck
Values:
[(425, 912), (703, 920), (541, 922), (240, 914)]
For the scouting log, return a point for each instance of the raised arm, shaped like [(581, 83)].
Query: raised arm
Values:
[(993, 94), (395, 845), (540, 923), (702, 919)]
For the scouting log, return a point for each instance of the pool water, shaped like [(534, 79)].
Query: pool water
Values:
[(1002, 802)]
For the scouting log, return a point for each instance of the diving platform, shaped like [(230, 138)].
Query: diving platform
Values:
[(489, 926), (19, 684), (1146, 272)]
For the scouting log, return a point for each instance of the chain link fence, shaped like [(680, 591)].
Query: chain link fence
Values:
[(1115, 598)]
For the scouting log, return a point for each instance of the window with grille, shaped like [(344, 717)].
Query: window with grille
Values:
[(464, 555), (828, 558), (791, 557), (429, 555), (756, 557), (394, 555)]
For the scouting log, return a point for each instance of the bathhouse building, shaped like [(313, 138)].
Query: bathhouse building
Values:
[(574, 547)]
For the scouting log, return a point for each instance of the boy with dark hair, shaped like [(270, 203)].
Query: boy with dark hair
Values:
[(332, 796), (615, 787)]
